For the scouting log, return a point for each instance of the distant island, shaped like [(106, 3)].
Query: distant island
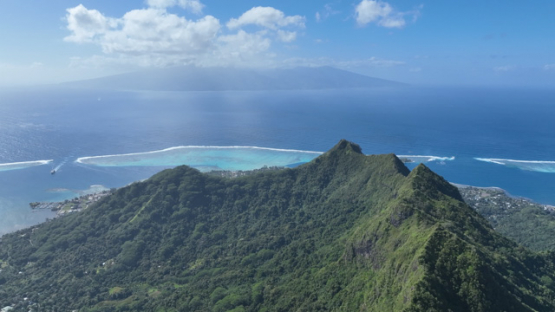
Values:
[(190, 78)]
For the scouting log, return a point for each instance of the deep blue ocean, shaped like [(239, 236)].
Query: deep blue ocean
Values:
[(511, 130)]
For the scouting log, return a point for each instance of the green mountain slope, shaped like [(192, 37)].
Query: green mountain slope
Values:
[(346, 232), (528, 223)]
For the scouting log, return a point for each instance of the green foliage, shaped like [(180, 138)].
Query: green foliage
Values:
[(346, 232), (527, 223)]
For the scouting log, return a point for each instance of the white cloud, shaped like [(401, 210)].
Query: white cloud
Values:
[(267, 17), (192, 5), (287, 36), (317, 16), (381, 13), (156, 31), (86, 24), (370, 11), (154, 37), (549, 67)]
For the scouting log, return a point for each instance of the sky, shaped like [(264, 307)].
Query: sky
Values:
[(422, 42)]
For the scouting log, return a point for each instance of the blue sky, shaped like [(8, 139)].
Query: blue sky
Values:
[(444, 42)]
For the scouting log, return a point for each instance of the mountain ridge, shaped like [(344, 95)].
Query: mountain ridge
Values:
[(344, 232), (190, 78)]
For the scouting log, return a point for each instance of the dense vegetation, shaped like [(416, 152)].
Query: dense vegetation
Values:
[(527, 223), (345, 232)]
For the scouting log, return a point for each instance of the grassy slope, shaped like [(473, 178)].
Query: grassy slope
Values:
[(345, 232), (527, 223)]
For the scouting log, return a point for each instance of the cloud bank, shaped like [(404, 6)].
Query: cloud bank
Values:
[(155, 37)]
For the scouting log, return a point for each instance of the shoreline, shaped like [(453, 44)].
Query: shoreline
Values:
[(493, 191), (76, 204)]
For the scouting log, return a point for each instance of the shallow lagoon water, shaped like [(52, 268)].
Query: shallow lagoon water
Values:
[(455, 125), (206, 158), (528, 165)]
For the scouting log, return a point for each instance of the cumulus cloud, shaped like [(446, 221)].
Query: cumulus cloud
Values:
[(154, 37), (267, 17), (86, 24), (142, 31), (271, 19), (149, 30), (381, 13)]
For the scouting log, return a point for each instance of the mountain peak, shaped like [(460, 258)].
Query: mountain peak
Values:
[(344, 145), (427, 181)]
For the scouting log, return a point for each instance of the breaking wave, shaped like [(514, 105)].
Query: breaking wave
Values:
[(206, 158), (23, 165), (528, 165), (424, 159)]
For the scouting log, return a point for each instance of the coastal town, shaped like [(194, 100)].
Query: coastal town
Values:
[(72, 205), (242, 173), (496, 199)]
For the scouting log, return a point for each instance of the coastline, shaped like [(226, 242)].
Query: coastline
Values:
[(506, 193), (76, 204), (477, 196)]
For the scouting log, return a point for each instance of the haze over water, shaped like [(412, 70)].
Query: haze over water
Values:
[(509, 131)]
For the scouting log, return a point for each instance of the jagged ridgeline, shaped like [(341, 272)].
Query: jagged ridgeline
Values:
[(345, 232)]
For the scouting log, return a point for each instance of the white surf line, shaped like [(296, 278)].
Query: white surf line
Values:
[(502, 161), (24, 164), (429, 157), (83, 159)]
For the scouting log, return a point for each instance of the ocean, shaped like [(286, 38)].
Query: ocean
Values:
[(502, 137)]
